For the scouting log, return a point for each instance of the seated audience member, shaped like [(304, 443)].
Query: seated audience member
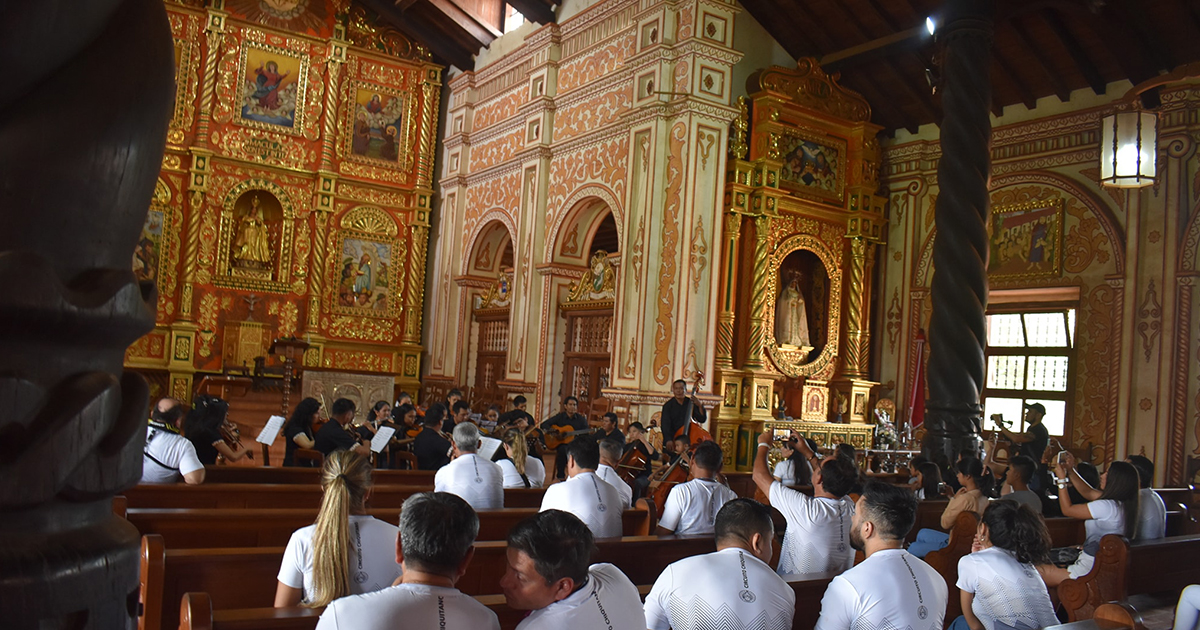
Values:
[(846, 451), (609, 430), (891, 588), (584, 493), (1152, 510), (430, 447), (928, 481), (793, 469), (732, 588), (638, 439), (1113, 511), (998, 581), (298, 432), (202, 427), (1187, 611), (1020, 470), (437, 531), (610, 458), (169, 456), (333, 436), (339, 555), (691, 507), (477, 480), (567, 420), (969, 498), (520, 469), (817, 538), (548, 574)]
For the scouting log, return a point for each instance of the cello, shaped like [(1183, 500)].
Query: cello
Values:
[(661, 483), (694, 435)]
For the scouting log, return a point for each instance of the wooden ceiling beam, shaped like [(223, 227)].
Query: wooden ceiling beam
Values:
[(482, 32), (419, 29), (1078, 55), (536, 11), (1056, 81), (1012, 76), (1147, 39), (806, 18)]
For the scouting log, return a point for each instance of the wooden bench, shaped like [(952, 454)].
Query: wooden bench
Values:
[(945, 560), (290, 474), (282, 496), (246, 577), (205, 528), (1123, 571)]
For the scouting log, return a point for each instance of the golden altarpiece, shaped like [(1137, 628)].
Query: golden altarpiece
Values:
[(802, 222), (294, 195)]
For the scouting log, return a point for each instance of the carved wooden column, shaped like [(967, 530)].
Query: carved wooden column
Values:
[(957, 328), (74, 422)]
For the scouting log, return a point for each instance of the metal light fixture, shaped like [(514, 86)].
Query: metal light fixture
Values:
[(1128, 149)]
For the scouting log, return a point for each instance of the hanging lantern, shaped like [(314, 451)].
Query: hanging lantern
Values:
[(1128, 148)]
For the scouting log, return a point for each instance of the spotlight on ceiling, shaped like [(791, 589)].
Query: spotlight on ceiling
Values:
[(930, 25)]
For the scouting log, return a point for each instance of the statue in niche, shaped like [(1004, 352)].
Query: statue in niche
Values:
[(791, 315), (252, 246)]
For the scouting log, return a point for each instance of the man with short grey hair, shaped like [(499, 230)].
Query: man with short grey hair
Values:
[(479, 481), (435, 545)]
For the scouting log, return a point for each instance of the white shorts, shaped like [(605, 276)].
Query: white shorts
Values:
[(1082, 566)]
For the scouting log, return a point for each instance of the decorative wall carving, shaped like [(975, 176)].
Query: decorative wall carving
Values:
[(663, 320)]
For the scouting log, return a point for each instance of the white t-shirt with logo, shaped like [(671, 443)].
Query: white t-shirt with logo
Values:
[(692, 507), (478, 481), (535, 470), (817, 538), (1107, 518), (410, 606), (176, 452), (592, 499), (890, 589), (729, 589), (609, 601), (1006, 591), (372, 557), (1152, 515), (609, 474)]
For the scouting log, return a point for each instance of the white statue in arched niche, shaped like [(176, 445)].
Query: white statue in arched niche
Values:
[(791, 314)]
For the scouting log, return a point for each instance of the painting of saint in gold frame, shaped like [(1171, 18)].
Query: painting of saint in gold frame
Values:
[(149, 246), (271, 90), (365, 277), (1025, 241), (813, 167), (377, 129)]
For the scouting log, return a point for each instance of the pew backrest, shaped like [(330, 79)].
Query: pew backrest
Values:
[(312, 476), (286, 495), (1106, 582), (945, 560)]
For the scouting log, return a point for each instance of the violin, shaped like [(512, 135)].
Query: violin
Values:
[(695, 435), (232, 437)]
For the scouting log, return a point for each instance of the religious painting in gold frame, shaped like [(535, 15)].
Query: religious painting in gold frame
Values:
[(792, 359), (366, 266), (378, 125), (271, 89), (1025, 241), (255, 245), (814, 165), (149, 258)]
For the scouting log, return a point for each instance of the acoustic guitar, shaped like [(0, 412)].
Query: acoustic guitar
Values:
[(558, 435)]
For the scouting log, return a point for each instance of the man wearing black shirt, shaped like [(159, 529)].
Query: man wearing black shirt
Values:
[(609, 430), (674, 412), (333, 435), (461, 410), (1033, 441), (432, 450), (568, 417), (518, 411)]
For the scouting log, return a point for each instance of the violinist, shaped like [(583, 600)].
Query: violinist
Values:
[(462, 413), (674, 412), (405, 418), (298, 432), (333, 435), (639, 441), (430, 446), (203, 427)]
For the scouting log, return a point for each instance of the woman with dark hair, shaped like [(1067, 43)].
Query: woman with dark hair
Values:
[(203, 427), (929, 478), (998, 581), (968, 499), (298, 432), (1113, 511), (788, 468)]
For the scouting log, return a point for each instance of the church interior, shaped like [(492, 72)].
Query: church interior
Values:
[(894, 225)]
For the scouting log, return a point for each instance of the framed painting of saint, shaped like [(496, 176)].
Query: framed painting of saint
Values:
[(272, 86), (376, 129), (149, 245), (1025, 241), (813, 167), (364, 277)]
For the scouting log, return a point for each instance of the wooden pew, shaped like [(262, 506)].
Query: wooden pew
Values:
[(203, 528), (945, 560), (281, 496), (277, 474), (1123, 571)]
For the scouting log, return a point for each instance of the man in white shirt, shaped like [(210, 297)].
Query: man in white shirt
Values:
[(891, 587), (692, 507), (1152, 510), (610, 457), (548, 573), (817, 538), (435, 545), (168, 455), (733, 588), (585, 494), (479, 481)]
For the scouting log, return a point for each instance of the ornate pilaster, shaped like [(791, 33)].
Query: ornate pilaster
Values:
[(758, 293), (337, 57), (416, 282), (957, 328), (726, 319), (215, 36)]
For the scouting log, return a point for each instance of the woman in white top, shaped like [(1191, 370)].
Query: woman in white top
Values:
[(998, 581), (1115, 512), (969, 498), (520, 469), (785, 470), (346, 552)]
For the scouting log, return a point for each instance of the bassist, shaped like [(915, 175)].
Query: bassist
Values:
[(674, 413), (568, 417)]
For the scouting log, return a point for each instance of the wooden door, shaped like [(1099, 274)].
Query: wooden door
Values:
[(491, 357), (588, 357)]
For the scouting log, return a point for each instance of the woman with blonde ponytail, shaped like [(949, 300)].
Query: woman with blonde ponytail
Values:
[(520, 469), (346, 552)]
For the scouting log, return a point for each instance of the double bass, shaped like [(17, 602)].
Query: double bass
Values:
[(694, 434)]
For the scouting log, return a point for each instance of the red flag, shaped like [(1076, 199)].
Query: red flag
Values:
[(916, 394)]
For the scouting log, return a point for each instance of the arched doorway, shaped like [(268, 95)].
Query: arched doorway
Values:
[(588, 311), (490, 270)]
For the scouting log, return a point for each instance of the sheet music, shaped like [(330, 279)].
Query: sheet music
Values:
[(488, 447), (382, 436), (271, 431)]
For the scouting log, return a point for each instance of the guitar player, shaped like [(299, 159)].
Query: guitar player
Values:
[(674, 413), (568, 417)]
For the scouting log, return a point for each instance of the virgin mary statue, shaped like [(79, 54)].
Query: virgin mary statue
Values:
[(791, 317)]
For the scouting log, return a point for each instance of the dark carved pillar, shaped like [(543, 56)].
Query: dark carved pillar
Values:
[(957, 331), (83, 120)]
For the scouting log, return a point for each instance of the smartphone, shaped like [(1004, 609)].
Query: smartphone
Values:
[(1062, 457), (941, 487)]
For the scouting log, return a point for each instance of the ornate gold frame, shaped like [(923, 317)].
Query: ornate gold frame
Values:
[(346, 146), (186, 80), (370, 224), (1059, 207), (224, 276), (811, 192), (297, 128), (792, 362)]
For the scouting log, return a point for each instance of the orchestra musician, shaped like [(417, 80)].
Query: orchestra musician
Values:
[(571, 417), (674, 413), (333, 435)]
